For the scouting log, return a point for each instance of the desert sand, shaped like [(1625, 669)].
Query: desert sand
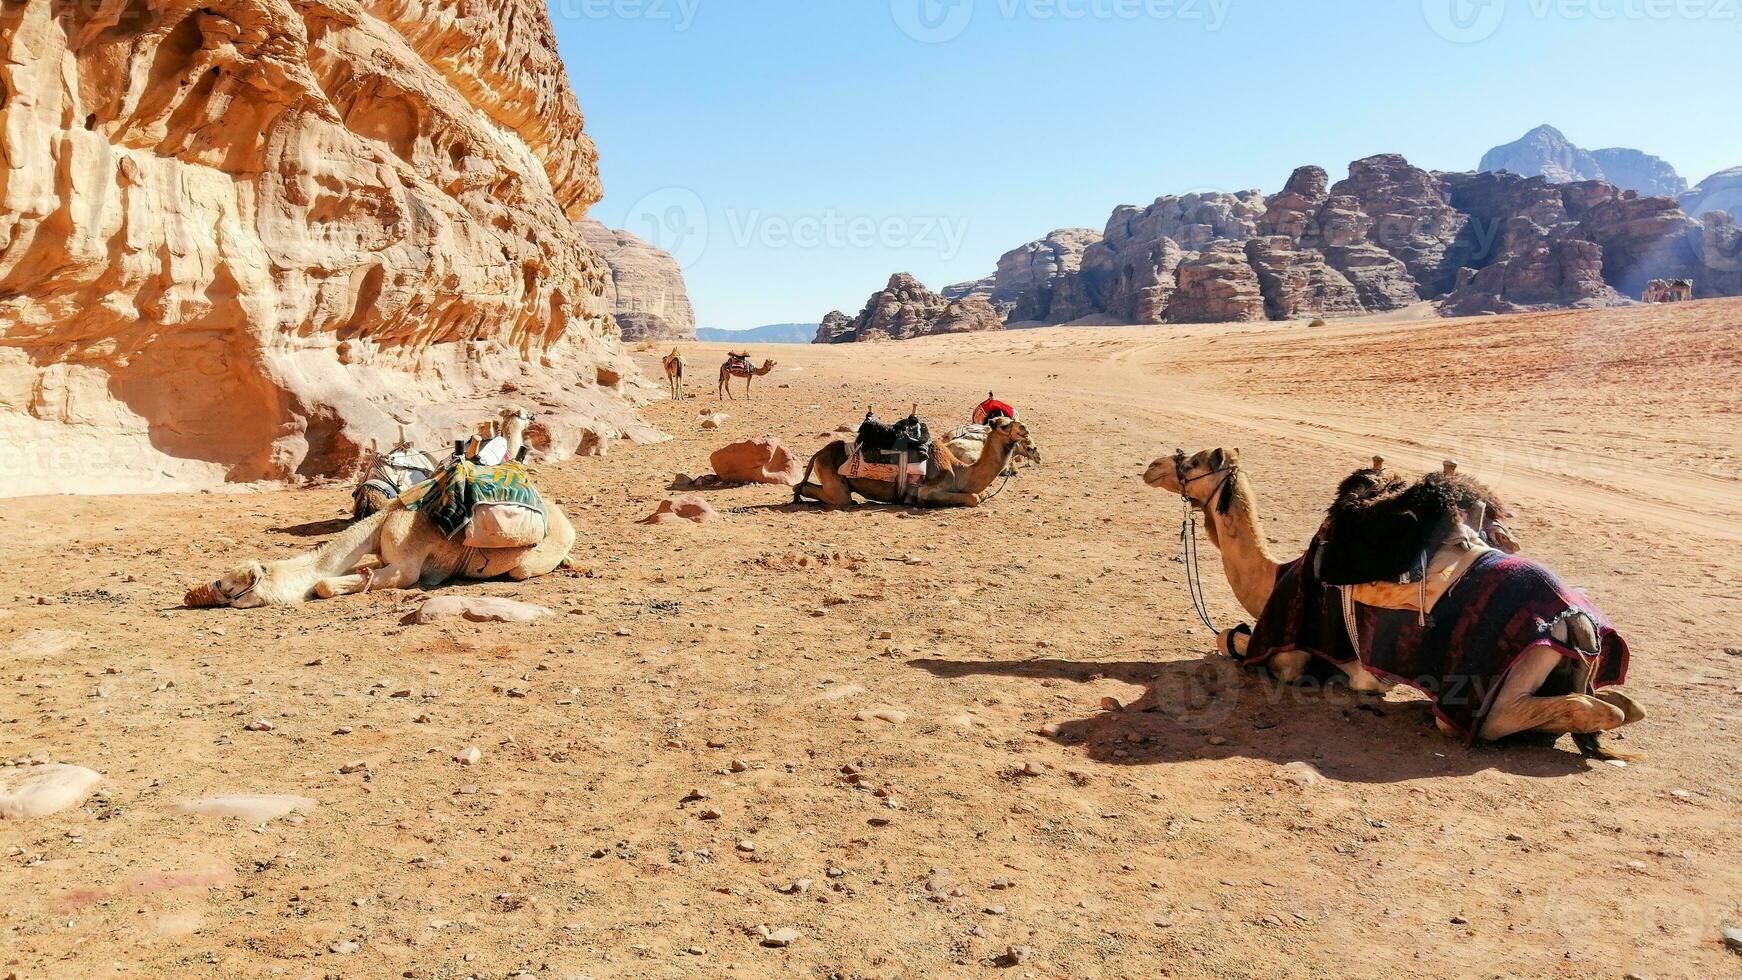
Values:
[(889, 731)]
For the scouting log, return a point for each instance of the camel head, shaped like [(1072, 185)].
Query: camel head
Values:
[(1016, 434), (238, 588), (767, 366), (1197, 477)]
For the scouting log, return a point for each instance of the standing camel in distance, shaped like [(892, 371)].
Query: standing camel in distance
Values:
[(674, 368), (738, 366)]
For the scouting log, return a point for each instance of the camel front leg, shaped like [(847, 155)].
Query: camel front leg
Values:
[(938, 497), (388, 577)]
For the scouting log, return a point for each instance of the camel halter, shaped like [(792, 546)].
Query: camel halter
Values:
[(1188, 531), (218, 587)]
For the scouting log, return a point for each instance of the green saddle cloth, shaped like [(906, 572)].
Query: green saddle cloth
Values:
[(449, 496)]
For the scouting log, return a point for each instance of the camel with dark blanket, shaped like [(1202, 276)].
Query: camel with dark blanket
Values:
[(1504, 646)]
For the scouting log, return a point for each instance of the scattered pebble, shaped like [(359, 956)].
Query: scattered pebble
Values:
[(469, 756), (781, 937)]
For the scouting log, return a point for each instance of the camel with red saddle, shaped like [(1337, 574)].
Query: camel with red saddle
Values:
[(947, 482), (1545, 681)]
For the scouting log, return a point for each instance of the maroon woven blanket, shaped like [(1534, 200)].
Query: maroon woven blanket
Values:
[(1503, 607)]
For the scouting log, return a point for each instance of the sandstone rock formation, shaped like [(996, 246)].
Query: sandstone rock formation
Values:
[(1388, 236), (1297, 282), (242, 239), (1217, 285), (905, 309), (1027, 277), (645, 291), (836, 328), (1411, 217), (1546, 152)]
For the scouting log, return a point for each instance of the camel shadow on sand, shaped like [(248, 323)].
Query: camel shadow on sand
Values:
[(315, 529), (1212, 709)]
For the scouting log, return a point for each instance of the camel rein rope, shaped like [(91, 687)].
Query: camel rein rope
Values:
[(1188, 534)]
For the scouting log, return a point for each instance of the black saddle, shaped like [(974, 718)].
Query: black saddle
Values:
[(882, 443)]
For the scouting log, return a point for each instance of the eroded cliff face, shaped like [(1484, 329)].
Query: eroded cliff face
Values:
[(240, 238)]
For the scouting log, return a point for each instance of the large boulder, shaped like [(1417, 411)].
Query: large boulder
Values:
[(1217, 285), (687, 508), (757, 461), (37, 791), (477, 609), (241, 238), (645, 291)]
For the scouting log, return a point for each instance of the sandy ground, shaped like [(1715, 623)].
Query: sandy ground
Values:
[(677, 758)]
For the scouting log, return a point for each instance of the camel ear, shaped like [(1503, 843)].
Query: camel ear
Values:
[(1217, 459)]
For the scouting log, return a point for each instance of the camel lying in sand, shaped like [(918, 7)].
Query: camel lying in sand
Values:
[(1542, 690), (952, 483), (410, 550)]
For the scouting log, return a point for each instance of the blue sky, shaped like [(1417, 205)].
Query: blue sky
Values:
[(794, 153)]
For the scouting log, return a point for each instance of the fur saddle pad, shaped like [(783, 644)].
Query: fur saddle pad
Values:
[(454, 493), (1444, 570), (1501, 608), (968, 442), (856, 468)]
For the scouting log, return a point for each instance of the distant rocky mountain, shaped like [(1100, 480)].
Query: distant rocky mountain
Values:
[(646, 293), (1546, 152), (1387, 236), (905, 309), (1720, 192), (773, 333)]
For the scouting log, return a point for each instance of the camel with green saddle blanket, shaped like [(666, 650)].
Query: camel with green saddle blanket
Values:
[(422, 537)]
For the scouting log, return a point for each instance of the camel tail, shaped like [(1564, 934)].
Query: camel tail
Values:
[(804, 481)]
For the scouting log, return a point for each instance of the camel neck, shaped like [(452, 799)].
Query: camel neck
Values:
[(1246, 558), (989, 466)]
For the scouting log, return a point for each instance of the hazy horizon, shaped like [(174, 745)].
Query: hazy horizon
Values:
[(793, 155)]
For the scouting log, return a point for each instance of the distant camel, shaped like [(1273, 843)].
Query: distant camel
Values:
[(738, 366), (674, 366), (1669, 291)]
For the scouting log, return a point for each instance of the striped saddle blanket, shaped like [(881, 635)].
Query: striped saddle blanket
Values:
[(857, 468), (461, 488)]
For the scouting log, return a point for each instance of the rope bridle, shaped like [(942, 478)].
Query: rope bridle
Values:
[(1188, 530)]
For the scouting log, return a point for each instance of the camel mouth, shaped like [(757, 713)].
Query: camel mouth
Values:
[(1157, 473)]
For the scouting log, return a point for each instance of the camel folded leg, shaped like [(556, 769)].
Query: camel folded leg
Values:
[(947, 498), (1518, 708), (388, 577)]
